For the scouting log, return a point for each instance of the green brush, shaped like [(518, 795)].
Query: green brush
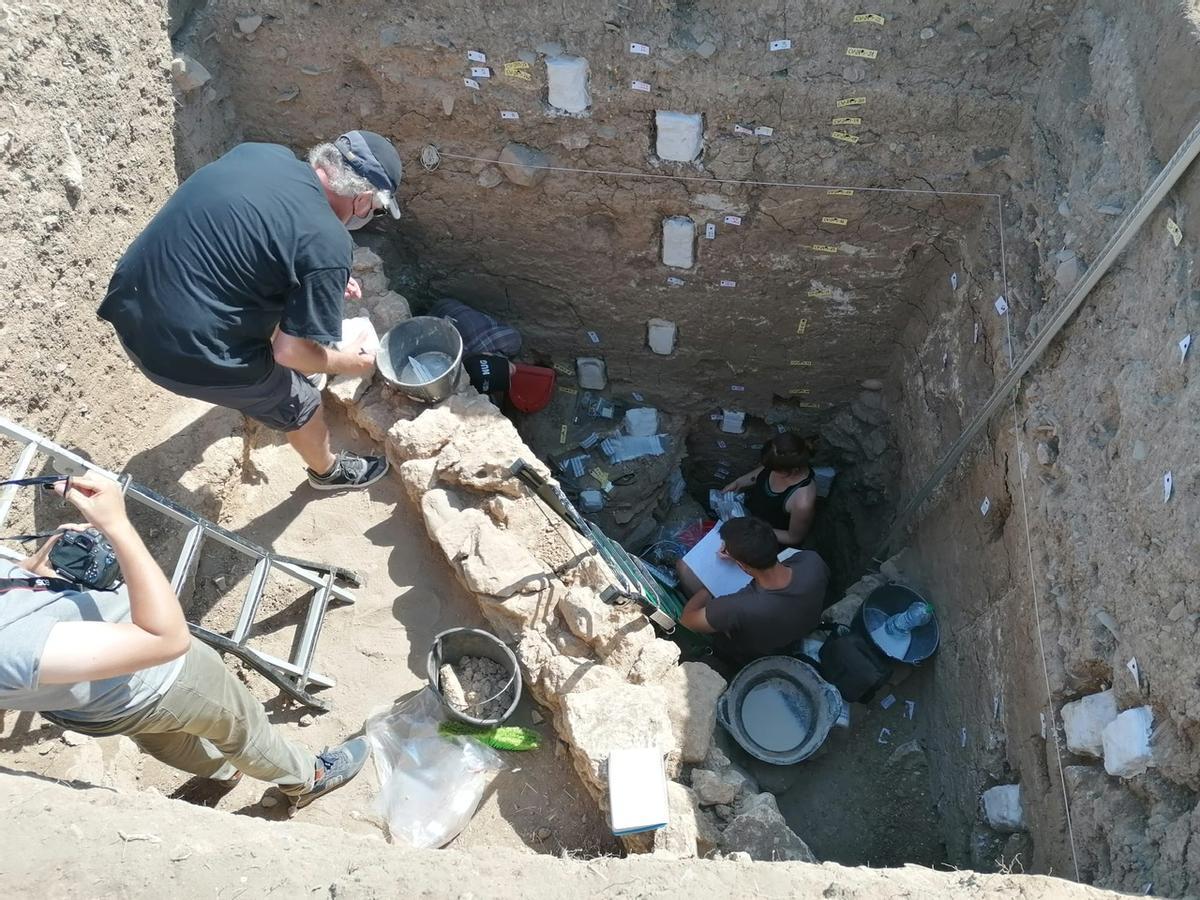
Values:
[(503, 737)]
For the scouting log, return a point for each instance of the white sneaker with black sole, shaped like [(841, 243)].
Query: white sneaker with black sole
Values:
[(350, 472), (317, 380)]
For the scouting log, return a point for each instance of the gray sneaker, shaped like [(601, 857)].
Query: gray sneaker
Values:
[(335, 767), (350, 472)]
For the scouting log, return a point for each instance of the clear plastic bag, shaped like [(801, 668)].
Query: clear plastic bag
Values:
[(430, 785)]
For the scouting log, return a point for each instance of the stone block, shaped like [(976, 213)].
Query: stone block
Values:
[(377, 415), (678, 242), (625, 648), (386, 310), (724, 787), (495, 563), (481, 460), (759, 829), (367, 267), (346, 390), (591, 373), (1002, 808), (591, 619), (418, 476), (449, 524), (660, 335), (513, 617), (1127, 743), (679, 136), (567, 83), (1067, 272), (522, 165), (655, 660), (1084, 721), (422, 437), (615, 716), (188, 74), (680, 839), (692, 691)]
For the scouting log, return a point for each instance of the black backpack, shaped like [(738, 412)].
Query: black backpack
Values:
[(852, 664)]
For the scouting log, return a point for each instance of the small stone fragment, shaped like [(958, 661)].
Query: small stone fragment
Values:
[(523, 165), (543, 833), (536, 717), (1002, 808), (706, 49), (489, 177), (75, 739), (249, 24), (927, 34), (188, 74), (1046, 454), (268, 801), (306, 720), (389, 36)]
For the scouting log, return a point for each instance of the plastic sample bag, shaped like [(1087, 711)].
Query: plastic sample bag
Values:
[(727, 506), (430, 786)]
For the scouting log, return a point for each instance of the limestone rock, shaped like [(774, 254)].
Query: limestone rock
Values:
[(484, 465), (759, 829), (367, 267), (654, 661), (591, 619), (418, 477), (1126, 739), (615, 716), (347, 390), (520, 164), (723, 787), (679, 839), (1002, 808), (451, 526), (1067, 272), (423, 436), (625, 647), (188, 74), (567, 83), (497, 564), (513, 617), (692, 690), (386, 310), (490, 177), (1084, 721), (249, 24)]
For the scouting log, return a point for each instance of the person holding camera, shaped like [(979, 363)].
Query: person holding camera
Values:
[(105, 662)]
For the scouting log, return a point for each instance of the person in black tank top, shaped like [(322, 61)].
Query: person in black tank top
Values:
[(782, 491)]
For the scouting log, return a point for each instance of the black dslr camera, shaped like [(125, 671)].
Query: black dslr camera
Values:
[(87, 559)]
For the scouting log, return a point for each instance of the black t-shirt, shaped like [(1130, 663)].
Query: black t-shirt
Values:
[(757, 622), (246, 243)]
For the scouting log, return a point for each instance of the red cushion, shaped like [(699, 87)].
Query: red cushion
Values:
[(531, 387)]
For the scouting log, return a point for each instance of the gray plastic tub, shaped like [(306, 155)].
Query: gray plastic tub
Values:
[(452, 645), (415, 337), (779, 710)]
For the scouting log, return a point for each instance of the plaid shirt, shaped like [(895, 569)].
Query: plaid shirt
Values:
[(480, 332)]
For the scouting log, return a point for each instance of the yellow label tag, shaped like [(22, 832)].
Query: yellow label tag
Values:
[(841, 192), (799, 392), (568, 390), (564, 369), (844, 137), (600, 475), (820, 295), (808, 404), (800, 362), (869, 17), (1175, 231), (861, 52), (562, 435), (518, 69), (825, 248), (846, 120), (833, 220), (851, 101), (802, 327)]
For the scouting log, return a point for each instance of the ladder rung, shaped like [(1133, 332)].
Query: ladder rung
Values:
[(312, 629), (258, 581), (19, 471), (189, 556)]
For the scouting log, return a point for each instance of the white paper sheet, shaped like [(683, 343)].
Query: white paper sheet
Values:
[(719, 575)]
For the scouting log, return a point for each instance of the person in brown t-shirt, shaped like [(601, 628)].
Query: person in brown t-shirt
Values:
[(781, 605)]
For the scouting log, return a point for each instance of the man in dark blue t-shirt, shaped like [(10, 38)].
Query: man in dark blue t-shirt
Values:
[(233, 293)]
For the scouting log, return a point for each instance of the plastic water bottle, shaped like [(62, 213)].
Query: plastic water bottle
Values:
[(915, 616)]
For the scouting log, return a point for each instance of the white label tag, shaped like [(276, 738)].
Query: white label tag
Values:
[(481, 72), (886, 702), (975, 340), (985, 506), (1168, 486), (727, 283), (509, 114), (764, 130), (672, 280), (471, 83), (476, 56), (910, 708), (1043, 718), (1001, 305), (716, 417), (638, 397), (741, 129), (962, 738), (722, 445), (639, 49), (710, 231), (1132, 666), (733, 220), (1175, 231), (737, 387), (1184, 345), (640, 86), (785, 44), (954, 281), (884, 735), (593, 337)]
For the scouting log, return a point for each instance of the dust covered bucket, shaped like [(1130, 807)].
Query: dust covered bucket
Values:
[(422, 356), (451, 646), (779, 710)]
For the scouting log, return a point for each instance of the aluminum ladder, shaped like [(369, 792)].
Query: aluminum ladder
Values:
[(293, 676)]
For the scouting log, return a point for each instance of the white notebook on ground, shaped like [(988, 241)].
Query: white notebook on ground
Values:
[(637, 790)]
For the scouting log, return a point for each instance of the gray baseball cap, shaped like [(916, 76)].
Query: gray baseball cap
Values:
[(374, 158)]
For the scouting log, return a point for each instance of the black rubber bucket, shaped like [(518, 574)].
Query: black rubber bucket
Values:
[(889, 600), (452, 645)]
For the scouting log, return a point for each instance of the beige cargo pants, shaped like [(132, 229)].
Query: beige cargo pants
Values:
[(209, 724)]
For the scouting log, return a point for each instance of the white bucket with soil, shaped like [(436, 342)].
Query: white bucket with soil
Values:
[(475, 675)]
